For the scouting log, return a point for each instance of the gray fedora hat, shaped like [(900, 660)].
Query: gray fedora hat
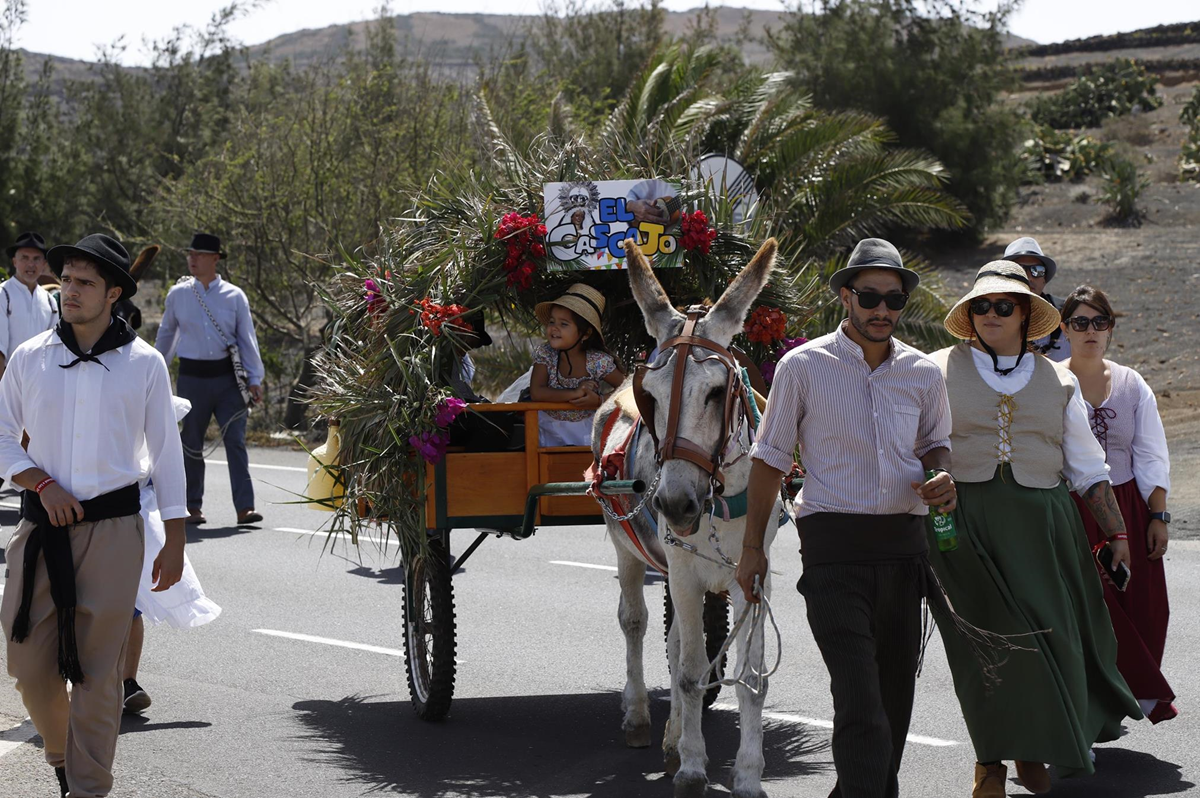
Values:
[(1028, 247), (874, 253)]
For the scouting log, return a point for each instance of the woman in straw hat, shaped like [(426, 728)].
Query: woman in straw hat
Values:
[(571, 366), (1020, 438)]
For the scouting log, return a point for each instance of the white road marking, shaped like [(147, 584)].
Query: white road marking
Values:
[(391, 652), (259, 465), (325, 533), (785, 717), (584, 565), (17, 736)]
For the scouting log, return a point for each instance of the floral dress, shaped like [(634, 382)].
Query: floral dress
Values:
[(569, 427)]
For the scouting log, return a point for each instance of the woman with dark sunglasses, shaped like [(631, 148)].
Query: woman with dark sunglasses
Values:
[(1125, 420), (1020, 435)]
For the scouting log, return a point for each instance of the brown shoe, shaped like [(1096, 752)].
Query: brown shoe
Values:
[(195, 516), (989, 781), (1034, 776), (249, 517)]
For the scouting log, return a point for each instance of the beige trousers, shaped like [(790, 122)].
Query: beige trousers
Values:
[(79, 732)]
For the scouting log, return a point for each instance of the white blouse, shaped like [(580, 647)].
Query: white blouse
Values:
[(1151, 459), (1083, 457)]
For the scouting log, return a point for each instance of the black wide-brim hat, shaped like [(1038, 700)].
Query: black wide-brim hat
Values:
[(207, 243), (104, 250), (27, 240), (476, 321), (874, 253)]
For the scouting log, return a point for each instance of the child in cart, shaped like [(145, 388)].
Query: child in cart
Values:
[(572, 366)]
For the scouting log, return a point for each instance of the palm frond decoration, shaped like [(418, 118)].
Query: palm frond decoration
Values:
[(824, 180)]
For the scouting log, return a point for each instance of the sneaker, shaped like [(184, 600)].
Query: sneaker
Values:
[(136, 699), (62, 781)]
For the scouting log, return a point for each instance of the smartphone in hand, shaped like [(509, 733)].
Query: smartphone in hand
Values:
[(1120, 575)]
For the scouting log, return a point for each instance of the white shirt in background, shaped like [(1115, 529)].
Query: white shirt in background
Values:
[(26, 314)]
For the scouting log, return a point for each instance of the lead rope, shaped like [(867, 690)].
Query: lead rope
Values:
[(748, 670)]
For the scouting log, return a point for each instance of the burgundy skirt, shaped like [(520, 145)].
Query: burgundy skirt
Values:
[(1140, 613)]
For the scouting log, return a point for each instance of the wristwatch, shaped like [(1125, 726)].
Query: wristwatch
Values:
[(1164, 516)]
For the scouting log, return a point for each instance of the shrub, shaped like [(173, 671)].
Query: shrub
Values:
[(1055, 155), (1115, 89), (1189, 159), (1123, 185), (1190, 115)]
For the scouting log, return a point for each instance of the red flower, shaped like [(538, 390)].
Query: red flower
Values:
[(766, 325), (433, 316), (524, 236), (697, 235)]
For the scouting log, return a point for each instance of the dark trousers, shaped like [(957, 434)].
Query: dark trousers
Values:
[(866, 620), (217, 396)]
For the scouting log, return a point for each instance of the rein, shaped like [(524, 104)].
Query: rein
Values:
[(737, 405)]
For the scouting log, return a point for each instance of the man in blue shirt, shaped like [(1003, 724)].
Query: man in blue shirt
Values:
[(205, 316)]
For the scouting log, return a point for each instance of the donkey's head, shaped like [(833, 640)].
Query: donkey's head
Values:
[(702, 404)]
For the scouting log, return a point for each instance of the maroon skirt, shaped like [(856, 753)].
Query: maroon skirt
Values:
[(1140, 613)]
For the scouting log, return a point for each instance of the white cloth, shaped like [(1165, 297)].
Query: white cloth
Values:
[(87, 424), (559, 432), (1083, 457), (182, 605), (512, 393), (25, 314), (186, 330)]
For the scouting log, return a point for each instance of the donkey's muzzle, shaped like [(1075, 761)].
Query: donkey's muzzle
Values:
[(680, 512)]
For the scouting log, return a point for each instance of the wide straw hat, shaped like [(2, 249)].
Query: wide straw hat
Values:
[(585, 301), (1003, 277)]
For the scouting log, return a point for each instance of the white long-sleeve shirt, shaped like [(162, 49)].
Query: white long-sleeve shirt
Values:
[(87, 424), (1083, 457), (26, 313)]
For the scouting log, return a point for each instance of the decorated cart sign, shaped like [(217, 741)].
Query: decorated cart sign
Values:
[(588, 221)]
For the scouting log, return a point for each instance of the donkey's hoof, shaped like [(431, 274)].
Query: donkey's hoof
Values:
[(691, 785), (671, 762), (638, 736)]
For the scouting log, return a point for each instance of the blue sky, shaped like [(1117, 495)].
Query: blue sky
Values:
[(75, 28)]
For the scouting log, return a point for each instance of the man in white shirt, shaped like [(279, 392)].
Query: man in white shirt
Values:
[(91, 395), (28, 309)]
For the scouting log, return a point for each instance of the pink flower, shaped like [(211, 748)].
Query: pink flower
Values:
[(430, 445), (448, 410), (788, 344), (768, 371)]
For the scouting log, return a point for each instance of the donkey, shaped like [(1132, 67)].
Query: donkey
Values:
[(684, 482)]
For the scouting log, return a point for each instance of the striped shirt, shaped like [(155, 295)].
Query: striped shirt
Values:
[(861, 433)]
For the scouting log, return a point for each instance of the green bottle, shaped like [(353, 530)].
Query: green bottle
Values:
[(943, 525)]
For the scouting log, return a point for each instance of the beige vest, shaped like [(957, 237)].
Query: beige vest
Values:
[(1035, 428)]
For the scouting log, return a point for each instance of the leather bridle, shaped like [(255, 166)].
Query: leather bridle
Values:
[(736, 411)]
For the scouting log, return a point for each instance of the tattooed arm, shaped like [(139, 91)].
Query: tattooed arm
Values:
[(1101, 500)]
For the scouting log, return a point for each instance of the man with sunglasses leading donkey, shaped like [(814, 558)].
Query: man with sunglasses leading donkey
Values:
[(870, 415)]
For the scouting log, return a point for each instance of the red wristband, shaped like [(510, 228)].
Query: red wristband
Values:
[(1119, 536), (45, 483)]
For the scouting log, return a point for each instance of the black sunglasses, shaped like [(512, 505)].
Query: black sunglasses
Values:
[(1080, 323), (868, 300), (1036, 270), (1003, 307)]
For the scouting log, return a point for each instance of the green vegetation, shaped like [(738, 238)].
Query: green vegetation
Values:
[(1114, 89), (1054, 155), (1189, 157), (1123, 185), (934, 71)]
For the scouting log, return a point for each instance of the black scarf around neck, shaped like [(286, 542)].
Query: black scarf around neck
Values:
[(116, 335)]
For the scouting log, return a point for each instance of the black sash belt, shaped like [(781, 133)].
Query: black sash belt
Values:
[(205, 368), (60, 566), (827, 538)]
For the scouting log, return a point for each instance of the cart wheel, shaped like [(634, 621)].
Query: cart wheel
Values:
[(716, 630), (429, 632)]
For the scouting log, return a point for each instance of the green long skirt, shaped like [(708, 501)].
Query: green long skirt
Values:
[(1023, 567)]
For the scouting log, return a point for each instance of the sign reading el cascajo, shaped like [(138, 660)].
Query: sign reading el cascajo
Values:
[(587, 222)]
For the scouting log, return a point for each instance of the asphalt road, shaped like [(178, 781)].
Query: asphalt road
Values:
[(298, 688)]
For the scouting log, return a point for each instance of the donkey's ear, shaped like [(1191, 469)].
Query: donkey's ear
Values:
[(662, 320), (142, 263), (727, 316)]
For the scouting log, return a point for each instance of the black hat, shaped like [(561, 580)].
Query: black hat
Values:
[(104, 250), (27, 241), (206, 242), (476, 322), (874, 253)]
